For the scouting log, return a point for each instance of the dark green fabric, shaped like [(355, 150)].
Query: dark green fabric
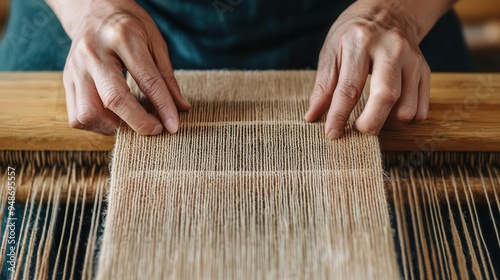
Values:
[(279, 34), (215, 34), (444, 47), (33, 39)]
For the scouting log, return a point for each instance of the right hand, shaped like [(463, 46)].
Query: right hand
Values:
[(109, 36)]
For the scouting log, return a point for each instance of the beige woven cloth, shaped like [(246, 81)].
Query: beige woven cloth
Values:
[(247, 190)]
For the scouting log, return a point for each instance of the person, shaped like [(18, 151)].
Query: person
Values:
[(394, 40), (150, 38)]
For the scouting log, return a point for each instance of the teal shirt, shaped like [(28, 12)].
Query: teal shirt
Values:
[(217, 34), (244, 34)]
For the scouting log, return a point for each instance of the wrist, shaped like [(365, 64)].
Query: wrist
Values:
[(69, 13), (426, 13), (72, 13)]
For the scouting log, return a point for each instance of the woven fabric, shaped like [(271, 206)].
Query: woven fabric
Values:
[(247, 190)]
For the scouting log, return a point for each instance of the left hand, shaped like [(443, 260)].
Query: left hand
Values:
[(371, 37)]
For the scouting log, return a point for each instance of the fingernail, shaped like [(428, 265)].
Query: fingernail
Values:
[(307, 116), (184, 102), (158, 129), (172, 125), (333, 134)]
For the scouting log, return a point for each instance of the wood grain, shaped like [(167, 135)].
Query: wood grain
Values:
[(33, 115), (464, 116)]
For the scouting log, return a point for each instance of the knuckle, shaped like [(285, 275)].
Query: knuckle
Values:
[(87, 118), (350, 92), (397, 50), (85, 47), (339, 117), (145, 128), (388, 95), (120, 28), (119, 34), (405, 114), (360, 34), (399, 44), (74, 123), (398, 35), (420, 116), (385, 16), (149, 84), (368, 128), (113, 100), (321, 90), (123, 28)]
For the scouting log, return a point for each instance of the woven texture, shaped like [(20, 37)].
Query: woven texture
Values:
[(247, 190)]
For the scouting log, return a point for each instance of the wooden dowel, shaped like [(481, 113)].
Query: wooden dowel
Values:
[(99, 180), (89, 170), (441, 188), (80, 184)]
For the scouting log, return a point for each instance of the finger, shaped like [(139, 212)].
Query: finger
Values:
[(352, 78), (405, 108), (116, 96), (159, 52), (69, 88), (91, 114), (424, 90), (138, 60), (385, 90), (326, 81)]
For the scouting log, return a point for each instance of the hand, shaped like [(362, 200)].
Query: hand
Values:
[(372, 36), (107, 37)]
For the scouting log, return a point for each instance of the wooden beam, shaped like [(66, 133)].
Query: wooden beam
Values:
[(33, 115), (479, 189), (464, 116)]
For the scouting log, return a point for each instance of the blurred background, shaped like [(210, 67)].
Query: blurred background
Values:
[(481, 21), (480, 18), (4, 5)]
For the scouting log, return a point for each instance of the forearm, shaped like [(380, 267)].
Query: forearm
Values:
[(421, 14)]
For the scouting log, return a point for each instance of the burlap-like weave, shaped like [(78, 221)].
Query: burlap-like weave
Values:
[(247, 190)]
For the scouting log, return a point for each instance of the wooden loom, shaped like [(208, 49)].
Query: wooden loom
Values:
[(446, 167)]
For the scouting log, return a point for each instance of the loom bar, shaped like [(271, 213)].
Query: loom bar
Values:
[(463, 116)]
